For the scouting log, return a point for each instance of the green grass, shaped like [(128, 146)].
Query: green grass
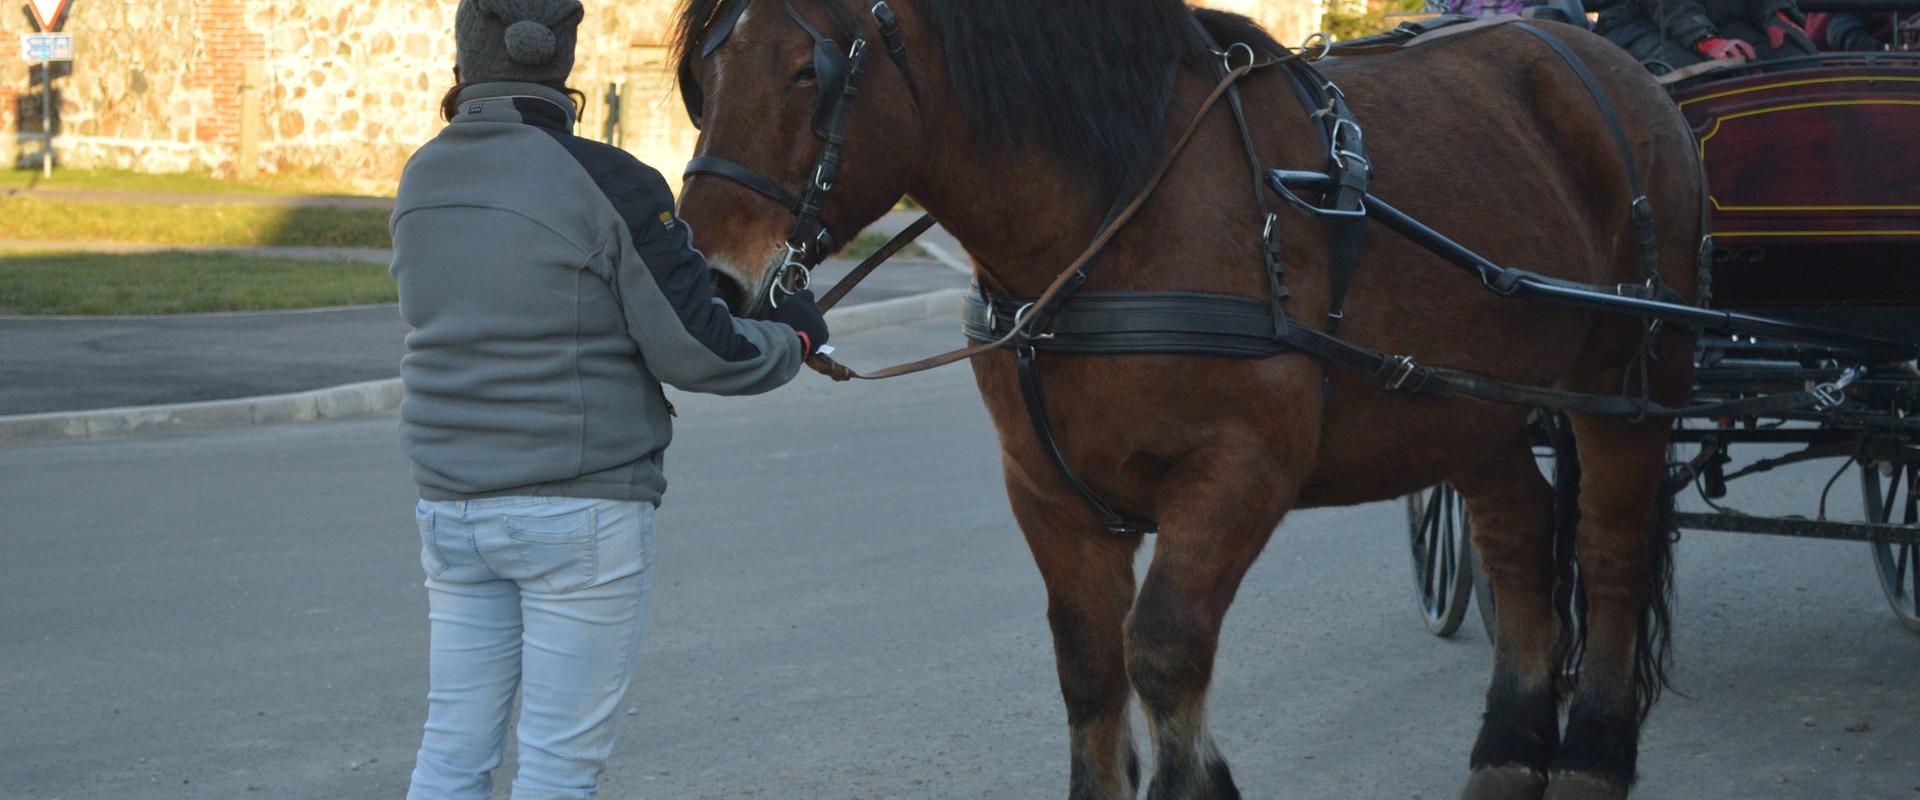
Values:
[(867, 243), (127, 180), (181, 283), (30, 218)]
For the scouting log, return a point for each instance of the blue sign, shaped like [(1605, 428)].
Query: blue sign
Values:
[(46, 47)]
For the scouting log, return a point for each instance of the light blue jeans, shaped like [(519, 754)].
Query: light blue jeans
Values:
[(545, 596)]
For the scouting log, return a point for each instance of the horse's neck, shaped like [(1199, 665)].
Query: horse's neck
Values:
[(1020, 219)]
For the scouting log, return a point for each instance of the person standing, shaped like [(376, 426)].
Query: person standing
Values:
[(550, 291)]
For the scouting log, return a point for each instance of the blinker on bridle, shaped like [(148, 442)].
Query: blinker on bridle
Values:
[(839, 76)]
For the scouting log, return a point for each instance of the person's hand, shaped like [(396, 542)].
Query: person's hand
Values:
[(1722, 49), (1780, 26), (799, 312)]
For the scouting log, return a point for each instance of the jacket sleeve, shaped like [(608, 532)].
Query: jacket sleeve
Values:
[(687, 337), (1765, 9), (1683, 21)]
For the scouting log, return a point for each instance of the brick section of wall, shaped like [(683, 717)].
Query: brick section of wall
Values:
[(226, 47)]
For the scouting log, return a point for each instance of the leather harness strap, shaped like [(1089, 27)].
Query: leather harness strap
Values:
[(1075, 273), (896, 42), (752, 179), (1273, 266), (1641, 218), (1192, 323)]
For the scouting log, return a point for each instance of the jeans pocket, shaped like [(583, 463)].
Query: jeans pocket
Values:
[(557, 550), (430, 559)]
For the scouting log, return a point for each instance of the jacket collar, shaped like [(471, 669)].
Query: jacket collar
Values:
[(529, 103)]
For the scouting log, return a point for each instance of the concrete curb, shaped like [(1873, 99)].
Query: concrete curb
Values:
[(353, 399)]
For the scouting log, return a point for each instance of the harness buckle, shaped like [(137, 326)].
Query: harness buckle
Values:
[(1831, 395), (1404, 366), (1341, 147)]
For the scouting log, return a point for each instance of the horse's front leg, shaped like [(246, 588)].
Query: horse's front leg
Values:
[(1218, 511), (1089, 575)]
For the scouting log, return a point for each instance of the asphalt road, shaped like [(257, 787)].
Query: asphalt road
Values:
[(843, 609), (71, 364)]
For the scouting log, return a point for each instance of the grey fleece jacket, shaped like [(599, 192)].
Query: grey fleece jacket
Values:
[(550, 290)]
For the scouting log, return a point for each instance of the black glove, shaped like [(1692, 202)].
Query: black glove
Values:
[(800, 313)]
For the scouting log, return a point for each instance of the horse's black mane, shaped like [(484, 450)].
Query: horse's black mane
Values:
[(1083, 81)]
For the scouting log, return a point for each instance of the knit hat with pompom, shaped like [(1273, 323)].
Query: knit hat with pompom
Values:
[(516, 40)]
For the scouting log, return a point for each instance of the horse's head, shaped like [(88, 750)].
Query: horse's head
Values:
[(809, 131)]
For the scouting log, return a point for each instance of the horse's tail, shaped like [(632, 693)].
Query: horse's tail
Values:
[(1654, 642), (1569, 598), (1655, 645)]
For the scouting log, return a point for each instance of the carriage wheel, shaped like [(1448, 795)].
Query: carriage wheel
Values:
[(1898, 565), (1443, 562)]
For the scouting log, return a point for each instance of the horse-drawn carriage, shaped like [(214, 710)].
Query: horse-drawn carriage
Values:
[(1251, 340), (1815, 213)]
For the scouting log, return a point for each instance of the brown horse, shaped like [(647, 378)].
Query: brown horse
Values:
[(1025, 122)]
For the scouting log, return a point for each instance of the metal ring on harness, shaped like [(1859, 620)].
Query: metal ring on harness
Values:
[(1021, 312), (1226, 56), (1326, 45)]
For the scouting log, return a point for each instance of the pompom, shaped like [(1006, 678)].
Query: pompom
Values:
[(530, 43)]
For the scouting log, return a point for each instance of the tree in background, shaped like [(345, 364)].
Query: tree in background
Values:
[(1349, 19)]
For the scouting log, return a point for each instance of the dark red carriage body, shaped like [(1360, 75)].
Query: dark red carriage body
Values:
[(1814, 176)]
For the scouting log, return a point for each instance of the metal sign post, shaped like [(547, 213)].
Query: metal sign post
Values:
[(47, 47)]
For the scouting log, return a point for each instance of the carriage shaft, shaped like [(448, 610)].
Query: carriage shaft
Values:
[(1511, 282)]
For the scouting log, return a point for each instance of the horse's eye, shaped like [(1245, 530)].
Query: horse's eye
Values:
[(805, 77)]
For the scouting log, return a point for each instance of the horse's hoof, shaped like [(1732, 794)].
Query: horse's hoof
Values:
[(1583, 786), (1505, 783)]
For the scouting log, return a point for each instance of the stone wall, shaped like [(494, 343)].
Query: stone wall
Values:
[(342, 90)]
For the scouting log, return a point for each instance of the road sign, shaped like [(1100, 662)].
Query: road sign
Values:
[(48, 13), (46, 47)]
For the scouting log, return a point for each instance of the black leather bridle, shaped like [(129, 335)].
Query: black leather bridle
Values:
[(839, 76)]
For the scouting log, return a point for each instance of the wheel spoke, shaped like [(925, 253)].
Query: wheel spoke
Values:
[(1902, 572), (1432, 539)]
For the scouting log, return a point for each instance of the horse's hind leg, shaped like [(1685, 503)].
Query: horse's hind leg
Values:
[(1511, 509), (1089, 575), (1623, 554), (1218, 514)]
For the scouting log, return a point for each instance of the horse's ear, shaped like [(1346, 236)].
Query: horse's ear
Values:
[(722, 28)]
